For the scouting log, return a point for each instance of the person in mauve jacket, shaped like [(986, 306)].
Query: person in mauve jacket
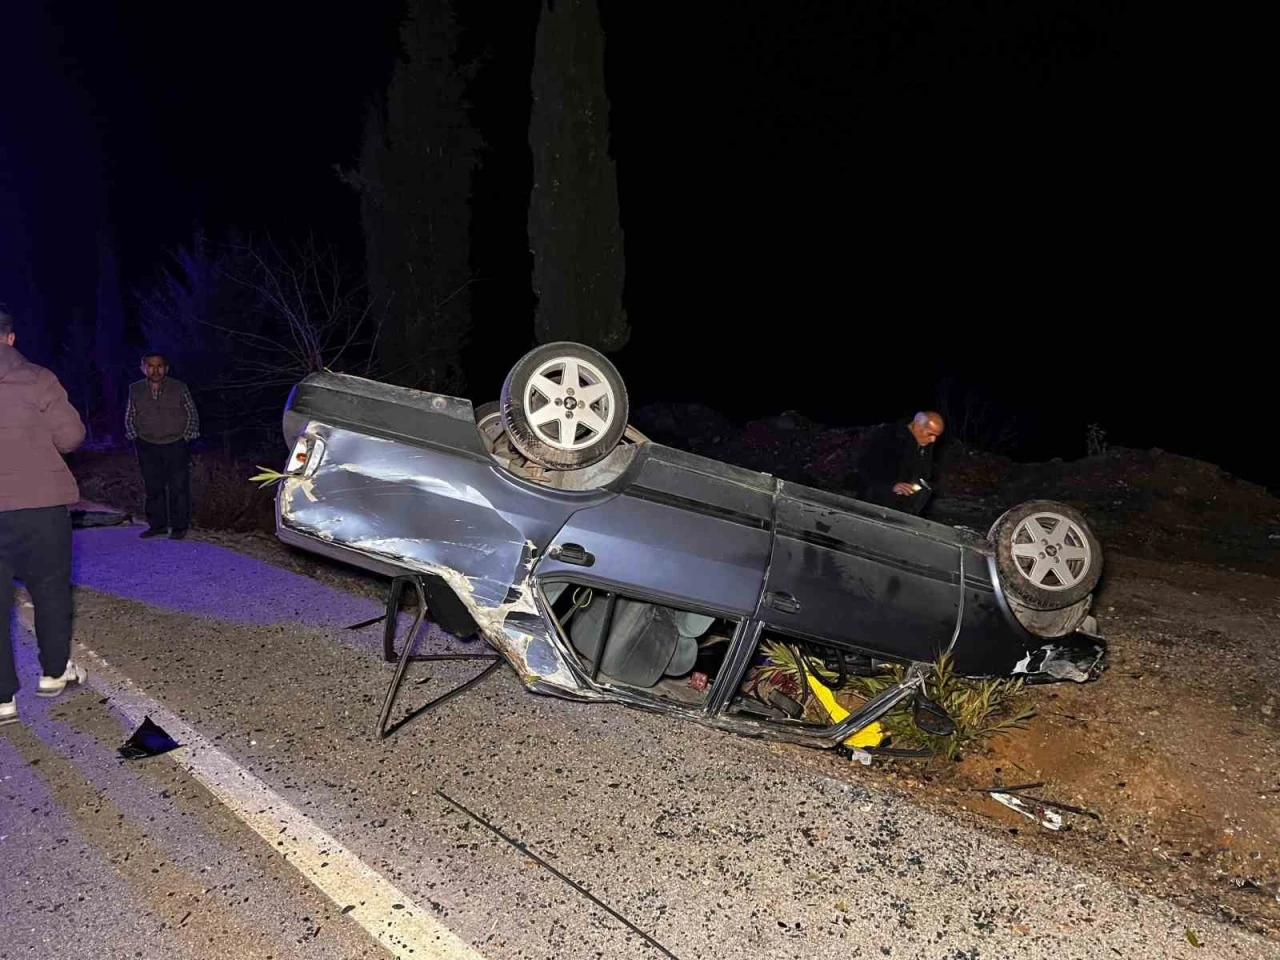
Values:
[(37, 426), (161, 418)]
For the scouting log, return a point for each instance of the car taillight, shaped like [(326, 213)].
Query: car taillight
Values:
[(306, 454)]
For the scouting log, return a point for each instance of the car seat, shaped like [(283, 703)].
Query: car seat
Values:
[(646, 641)]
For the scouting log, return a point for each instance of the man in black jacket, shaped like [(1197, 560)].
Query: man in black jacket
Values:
[(895, 469), (162, 418)]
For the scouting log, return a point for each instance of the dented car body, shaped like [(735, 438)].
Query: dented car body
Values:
[(654, 580)]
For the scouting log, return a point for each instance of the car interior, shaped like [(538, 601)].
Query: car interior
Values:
[(624, 642), (778, 684)]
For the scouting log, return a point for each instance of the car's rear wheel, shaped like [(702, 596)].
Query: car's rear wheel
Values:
[(564, 406), (1046, 555), (1051, 624)]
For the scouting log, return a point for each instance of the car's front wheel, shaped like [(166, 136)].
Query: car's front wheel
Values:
[(564, 406), (1046, 555)]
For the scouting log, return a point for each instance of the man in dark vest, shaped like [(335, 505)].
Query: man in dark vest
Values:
[(897, 465), (162, 418)]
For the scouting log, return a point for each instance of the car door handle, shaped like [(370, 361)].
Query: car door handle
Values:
[(782, 602), (573, 553)]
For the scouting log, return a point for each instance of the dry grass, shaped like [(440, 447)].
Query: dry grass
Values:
[(981, 709), (222, 498)]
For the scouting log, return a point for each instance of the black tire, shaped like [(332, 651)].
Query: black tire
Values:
[(587, 444), (1051, 624), (1047, 586), (494, 409), (489, 424)]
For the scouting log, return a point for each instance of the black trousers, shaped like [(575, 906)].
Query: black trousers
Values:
[(166, 477), (35, 545), (885, 497)]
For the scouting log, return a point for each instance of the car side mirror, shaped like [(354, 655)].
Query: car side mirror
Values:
[(929, 716)]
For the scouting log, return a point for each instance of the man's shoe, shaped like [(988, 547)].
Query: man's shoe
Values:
[(52, 686), (8, 712), (150, 532), (177, 534)]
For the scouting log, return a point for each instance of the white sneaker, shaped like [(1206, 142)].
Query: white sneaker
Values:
[(52, 686), (8, 712)]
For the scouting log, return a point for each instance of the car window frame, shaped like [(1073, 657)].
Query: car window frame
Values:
[(767, 627), (708, 708)]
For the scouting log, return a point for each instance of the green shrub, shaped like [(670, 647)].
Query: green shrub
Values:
[(981, 709)]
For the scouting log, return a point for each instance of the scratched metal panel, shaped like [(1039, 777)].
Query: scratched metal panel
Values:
[(425, 509), (688, 559)]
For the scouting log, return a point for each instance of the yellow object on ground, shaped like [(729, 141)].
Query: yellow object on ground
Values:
[(871, 735)]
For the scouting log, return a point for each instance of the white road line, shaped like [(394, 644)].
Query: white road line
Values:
[(391, 918)]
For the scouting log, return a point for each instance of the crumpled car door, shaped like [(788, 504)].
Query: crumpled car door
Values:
[(425, 509)]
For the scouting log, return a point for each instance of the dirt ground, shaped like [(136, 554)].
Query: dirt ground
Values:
[(1175, 749)]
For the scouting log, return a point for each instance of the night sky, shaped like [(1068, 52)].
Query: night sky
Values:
[(830, 208)]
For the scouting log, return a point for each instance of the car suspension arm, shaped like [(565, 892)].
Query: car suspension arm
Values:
[(407, 654), (879, 705)]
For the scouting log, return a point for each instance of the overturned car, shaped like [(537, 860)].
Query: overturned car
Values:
[(604, 566)]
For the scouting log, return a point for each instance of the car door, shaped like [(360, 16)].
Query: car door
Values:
[(684, 530), (861, 576)]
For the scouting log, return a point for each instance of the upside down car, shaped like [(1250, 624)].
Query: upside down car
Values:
[(604, 566)]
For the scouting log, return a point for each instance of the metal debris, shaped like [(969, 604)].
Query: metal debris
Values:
[(1032, 811)]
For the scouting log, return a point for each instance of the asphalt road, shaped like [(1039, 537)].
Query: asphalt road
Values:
[(283, 829)]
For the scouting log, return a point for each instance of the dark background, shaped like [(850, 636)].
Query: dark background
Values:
[(843, 209)]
